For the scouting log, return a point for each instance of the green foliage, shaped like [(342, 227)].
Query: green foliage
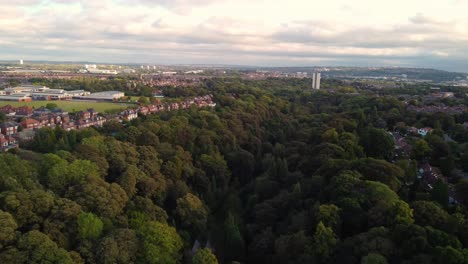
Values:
[(192, 213), (381, 171), (421, 149), (8, 227), (35, 247), (324, 241), (160, 244), (374, 258), (274, 173), (429, 213), (120, 246), (377, 143), (329, 215), (64, 175), (204, 256), (51, 106), (16, 174), (89, 226)]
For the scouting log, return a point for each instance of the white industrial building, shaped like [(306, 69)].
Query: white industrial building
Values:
[(102, 96), (42, 93), (98, 71)]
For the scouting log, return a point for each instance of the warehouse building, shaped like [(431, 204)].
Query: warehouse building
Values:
[(102, 96)]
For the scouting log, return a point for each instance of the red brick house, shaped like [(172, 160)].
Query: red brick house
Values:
[(24, 111), (9, 128), (30, 123), (8, 110), (7, 142)]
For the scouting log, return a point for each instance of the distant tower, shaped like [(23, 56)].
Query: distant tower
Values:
[(21, 62), (316, 80)]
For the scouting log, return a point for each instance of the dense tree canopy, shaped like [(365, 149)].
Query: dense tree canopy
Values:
[(275, 173)]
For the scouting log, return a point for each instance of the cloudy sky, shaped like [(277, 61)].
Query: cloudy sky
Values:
[(422, 33)]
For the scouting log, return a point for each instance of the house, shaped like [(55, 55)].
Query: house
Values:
[(157, 94), (402, 148), (24, 111), (25, 135), (92, 113), (82, 123), (30, 123), (424, 131), (428, 175), (97, 121), (67, 126), (59, 111), (144, 110), (83, 115), (41, 111), (9, 128), (174, 106), (129, 114), (7, 142), (152, 108), (45, 120), (8, 110)]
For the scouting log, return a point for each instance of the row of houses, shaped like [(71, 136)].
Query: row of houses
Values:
[(199, 101), (23, 128), (430, 109)]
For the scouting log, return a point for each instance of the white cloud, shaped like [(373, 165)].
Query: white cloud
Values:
[(274, 32)]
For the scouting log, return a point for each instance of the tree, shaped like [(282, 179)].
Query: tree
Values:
[(242, 164), (449, 255), (89, 226), (429, 213), (330, 136), (64, 175), (462, 191), (381, 171), (390, 214), (294, 248), (192, 213), (160, 244), (28, 208), (8, 227), (378, 143), (204, 256), (421, 149), (374, 258), (324, 241), (99, 197), (35, 247), (118, 247), (234, 244), (51, 106), (439, 193), (329, 215), (410, 167), (2, 117), (143, 100)]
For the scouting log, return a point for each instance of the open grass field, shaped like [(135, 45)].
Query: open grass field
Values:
[(71, 106)]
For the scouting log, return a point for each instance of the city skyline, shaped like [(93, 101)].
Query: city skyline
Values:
[(250, 33)]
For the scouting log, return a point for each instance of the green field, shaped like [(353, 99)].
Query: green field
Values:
[(71, 106)]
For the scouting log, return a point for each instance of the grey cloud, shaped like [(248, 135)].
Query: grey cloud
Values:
[(96, 35)]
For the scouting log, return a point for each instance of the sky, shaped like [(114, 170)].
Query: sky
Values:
[(406, 33)]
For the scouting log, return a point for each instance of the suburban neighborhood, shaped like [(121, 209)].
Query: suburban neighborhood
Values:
[(22, 122)]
